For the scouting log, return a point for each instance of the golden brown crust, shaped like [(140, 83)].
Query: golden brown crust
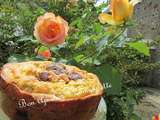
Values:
[(81, 108)]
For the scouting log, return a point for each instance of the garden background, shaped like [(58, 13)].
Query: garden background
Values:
[(117, 54)]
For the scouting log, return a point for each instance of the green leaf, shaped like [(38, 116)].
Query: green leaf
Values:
[(130, 97), (78, 58), (134, 117), (55, 49), (97, 27), (42, 48), (140, 47), (110, 76), (80, 42), (77, 22)]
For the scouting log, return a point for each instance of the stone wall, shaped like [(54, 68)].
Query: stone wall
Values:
[(147, 16), (155, 81)]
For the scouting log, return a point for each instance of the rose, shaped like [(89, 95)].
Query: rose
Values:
[(120, 11), (50, 29)]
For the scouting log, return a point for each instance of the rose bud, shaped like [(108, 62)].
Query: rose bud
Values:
[(43, 52)]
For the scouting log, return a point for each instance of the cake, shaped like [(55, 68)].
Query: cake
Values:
[(51, 91)]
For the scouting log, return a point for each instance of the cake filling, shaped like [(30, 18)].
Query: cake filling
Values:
[(63, 81)]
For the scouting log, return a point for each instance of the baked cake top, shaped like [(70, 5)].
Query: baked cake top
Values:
[(48, 78)]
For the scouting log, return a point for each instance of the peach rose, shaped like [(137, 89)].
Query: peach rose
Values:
[(50, 29)]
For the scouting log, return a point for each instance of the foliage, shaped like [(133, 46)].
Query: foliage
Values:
[(141, 47), (16, 28), (89, 44), (122, 107)]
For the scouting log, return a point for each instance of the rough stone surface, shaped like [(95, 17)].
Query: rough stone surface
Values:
[(149, 105), (155, 81), (152, 78), (147, 16)]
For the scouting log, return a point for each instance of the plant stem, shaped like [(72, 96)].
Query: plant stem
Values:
[(94, 53)]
